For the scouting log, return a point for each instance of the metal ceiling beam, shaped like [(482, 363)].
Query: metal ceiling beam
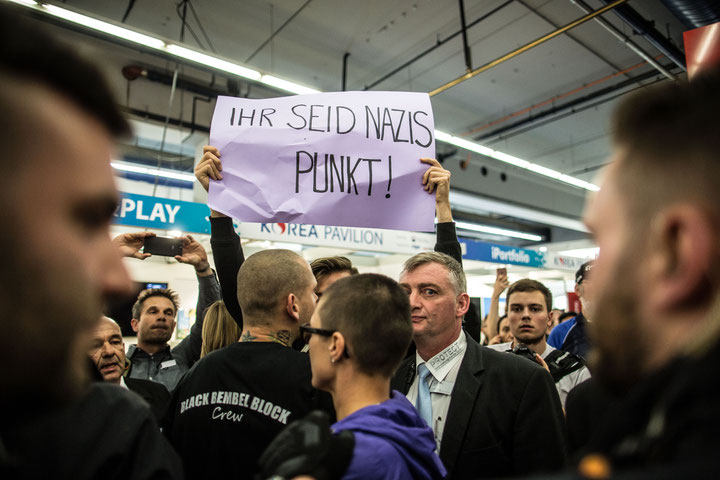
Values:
[(466, 46), (575, 106), (274, 34), (571, 36), (526, 47), (624, 39), (645, 28), (437, 44)]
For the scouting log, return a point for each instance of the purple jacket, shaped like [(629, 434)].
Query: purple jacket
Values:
[(391, 442)]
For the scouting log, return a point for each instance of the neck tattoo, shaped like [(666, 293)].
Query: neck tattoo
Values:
[(248, 337), (283, 337)]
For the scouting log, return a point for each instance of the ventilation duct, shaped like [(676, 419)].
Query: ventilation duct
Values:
[(695, 13)]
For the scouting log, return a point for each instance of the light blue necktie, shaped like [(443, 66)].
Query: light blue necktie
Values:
[(424, 404)]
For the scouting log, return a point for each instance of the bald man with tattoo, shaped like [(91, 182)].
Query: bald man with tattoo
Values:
[(234, 401)]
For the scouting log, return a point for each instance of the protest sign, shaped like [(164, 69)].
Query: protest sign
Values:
[(342, 159)]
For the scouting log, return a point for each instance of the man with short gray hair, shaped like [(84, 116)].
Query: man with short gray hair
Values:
[(493, 414)]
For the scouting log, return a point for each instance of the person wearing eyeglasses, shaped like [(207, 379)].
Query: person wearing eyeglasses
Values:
[(358, 336)]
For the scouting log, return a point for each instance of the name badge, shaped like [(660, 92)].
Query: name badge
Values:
[(168, 364)]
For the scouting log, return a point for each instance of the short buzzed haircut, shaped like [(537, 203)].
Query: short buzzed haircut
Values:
[(528, 285), (322, 267), (154, 292), (668, 136), (372, 312), (455, 270), (267, 277)]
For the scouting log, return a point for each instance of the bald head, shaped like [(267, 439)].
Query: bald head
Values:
[(107, 350), (266, 280)]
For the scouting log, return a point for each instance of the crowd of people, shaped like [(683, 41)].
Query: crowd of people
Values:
[(316, 370)]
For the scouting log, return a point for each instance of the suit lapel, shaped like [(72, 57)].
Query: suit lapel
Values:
[(404, 376), (465, 391)]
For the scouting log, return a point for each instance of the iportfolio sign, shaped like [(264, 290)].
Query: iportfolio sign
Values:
[(488, 252)]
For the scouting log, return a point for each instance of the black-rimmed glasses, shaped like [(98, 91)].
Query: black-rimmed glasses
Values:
[(306, 332)]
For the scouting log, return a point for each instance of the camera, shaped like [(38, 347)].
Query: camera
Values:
[(524, 352)]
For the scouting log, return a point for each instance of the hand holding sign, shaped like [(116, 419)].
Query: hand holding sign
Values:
[(438, 179), (343, 159), (209, 167)]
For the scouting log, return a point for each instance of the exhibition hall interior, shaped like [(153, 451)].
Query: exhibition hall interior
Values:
[(521, 93)]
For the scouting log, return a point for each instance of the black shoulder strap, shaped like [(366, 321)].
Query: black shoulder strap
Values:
[(563, 363)]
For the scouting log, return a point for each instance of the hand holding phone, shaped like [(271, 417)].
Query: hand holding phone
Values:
[(163, 246), (501, 282)]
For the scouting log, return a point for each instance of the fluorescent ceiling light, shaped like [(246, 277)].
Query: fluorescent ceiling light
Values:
[(474, 227), (27, 3), (211, 61), (464, 202), (125, 167), (149, 41), (179, 51), (515, 161), (105, 27), (287, 85)]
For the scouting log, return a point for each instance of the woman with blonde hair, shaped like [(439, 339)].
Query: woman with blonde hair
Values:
[(219, 328)]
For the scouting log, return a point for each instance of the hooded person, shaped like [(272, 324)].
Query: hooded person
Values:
[(358, 336)]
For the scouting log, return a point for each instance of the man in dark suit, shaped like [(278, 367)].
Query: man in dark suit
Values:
[(108, 355), (493, 414)]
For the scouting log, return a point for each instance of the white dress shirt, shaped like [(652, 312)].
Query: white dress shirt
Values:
[(443, 369)]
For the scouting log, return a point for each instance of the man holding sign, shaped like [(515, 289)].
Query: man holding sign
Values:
[(339, 159), (228, 252)]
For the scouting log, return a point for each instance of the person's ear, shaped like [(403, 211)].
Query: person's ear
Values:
[(462, 304), (135, 324), (578, 290), (337, 347), (681, 244), (551, 315), (291, 306)]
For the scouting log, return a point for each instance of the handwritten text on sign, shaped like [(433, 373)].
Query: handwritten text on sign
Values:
[(344, 159)]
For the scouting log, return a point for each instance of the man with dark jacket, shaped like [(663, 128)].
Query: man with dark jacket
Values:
[(56, 204), (492, 414), (107, 353), (656, 329)]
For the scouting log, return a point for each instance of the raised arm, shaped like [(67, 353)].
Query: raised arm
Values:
[(437, 179), (501, 283), (224, 241), (188, 351)]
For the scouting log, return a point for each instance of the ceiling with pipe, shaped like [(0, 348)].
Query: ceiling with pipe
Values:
[(549, 105)]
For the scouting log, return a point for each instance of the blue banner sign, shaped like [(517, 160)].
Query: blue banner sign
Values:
[(488, 252), (162, 214)]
